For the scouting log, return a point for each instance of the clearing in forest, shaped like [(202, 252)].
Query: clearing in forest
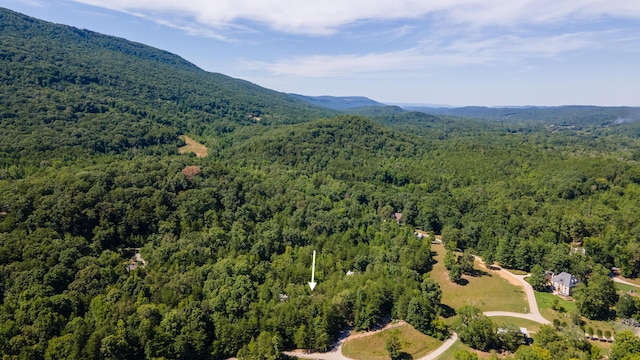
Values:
[(192, 147), (372, 347), (487, 290), (459, 345)]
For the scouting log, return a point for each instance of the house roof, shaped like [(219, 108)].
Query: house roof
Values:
[(566, 279)]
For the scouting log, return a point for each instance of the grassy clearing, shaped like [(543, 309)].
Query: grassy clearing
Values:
[(627, 288), (502, 321), (545, 303), (458, 345), (371, 347), (487, 291), (192, 147)]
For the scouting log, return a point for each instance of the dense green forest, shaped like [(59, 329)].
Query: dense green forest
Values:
[(90, 176)]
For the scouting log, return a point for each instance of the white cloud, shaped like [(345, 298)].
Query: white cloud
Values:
[(338, 65), (491, 51), (322, 17), (187, 28)]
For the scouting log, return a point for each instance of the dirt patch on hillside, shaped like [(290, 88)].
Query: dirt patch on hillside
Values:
[(192, 147)]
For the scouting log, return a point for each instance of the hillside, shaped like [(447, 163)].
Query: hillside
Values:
[(555, 115), (91, 182), (337, 102), (100, 94)]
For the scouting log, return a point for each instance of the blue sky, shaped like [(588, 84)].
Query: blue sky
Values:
[(456, 52)]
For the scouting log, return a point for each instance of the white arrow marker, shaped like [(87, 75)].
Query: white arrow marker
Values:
[(313, 284)]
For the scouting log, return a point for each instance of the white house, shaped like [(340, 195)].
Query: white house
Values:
[(564, 283)]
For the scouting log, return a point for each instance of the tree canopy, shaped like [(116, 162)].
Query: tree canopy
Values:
[(91, 184)]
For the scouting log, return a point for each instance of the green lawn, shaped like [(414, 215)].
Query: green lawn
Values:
[(501, 321), (371, 347), (545, 301), (626, 288), (458, 345), (488, 291)]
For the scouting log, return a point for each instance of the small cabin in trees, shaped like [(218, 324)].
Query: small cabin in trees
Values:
[(398, 217), (564, 283)]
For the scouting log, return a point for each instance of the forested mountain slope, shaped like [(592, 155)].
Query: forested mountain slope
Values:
[(90, 176), (96, 93), (337, 102)]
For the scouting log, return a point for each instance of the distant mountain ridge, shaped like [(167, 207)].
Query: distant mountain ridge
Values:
[(568, 115), (553, 115), (338, 102)]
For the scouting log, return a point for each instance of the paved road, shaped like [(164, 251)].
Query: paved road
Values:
[(533, 314), (334, 354), (444, 347), (618, 280), (528, 316), (534, 311)]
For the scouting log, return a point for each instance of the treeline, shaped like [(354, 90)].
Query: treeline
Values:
[(229, 248), (71, 91), (559, 116), (89, 176), (228, 255), (502, 195)]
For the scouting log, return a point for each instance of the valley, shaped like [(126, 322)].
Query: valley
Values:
[(98, 156)]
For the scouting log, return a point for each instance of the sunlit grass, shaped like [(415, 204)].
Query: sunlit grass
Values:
[(627, 288), (372, 347), (192, 147), (458, 345), (545, 304), (488, 291)]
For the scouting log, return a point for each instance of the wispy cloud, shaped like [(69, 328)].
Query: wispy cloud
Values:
[(334, 42), (34, 3), (433, 53), (188, 28), (324, 17), (339, 65)]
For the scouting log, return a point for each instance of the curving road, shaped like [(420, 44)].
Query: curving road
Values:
[(444, 347), (534, 311), (336, 352), (533, 315), (618, 280)]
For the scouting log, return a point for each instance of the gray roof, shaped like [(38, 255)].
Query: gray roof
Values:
[(565, 278)]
